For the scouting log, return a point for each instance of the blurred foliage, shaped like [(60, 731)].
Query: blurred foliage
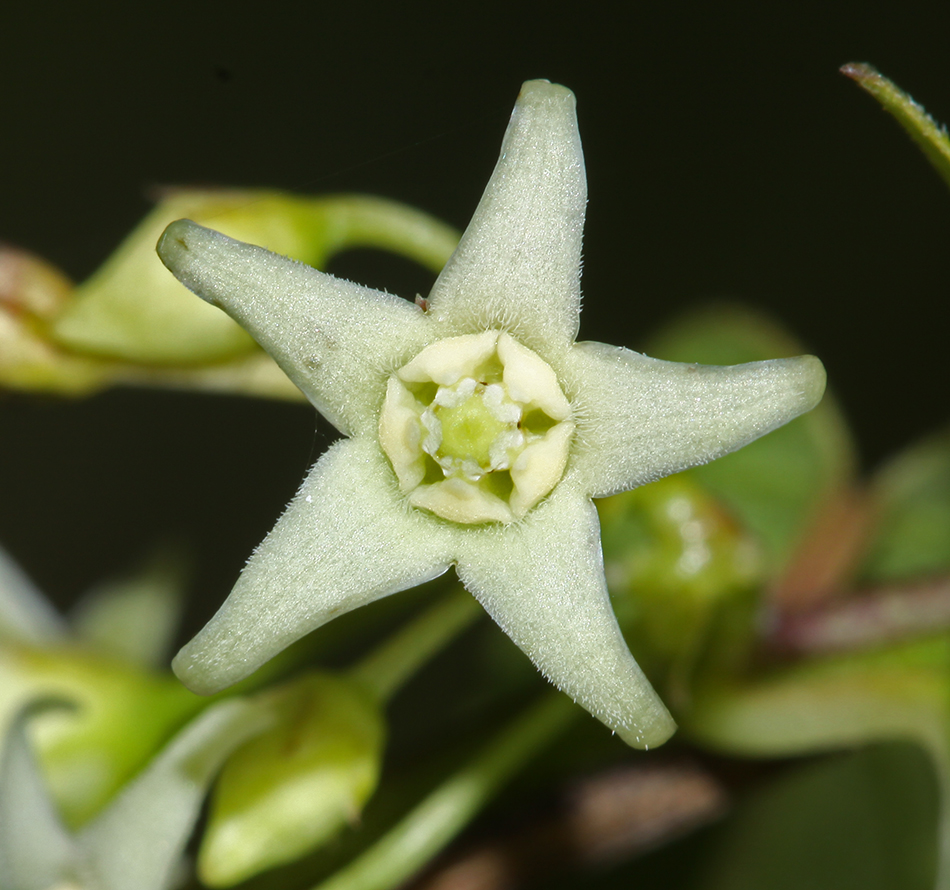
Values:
[(296, 785), (710, 571)]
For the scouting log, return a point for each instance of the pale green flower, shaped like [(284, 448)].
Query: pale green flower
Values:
[(137, 841), (477, 431)]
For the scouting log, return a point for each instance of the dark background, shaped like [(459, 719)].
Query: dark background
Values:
[(726, 157)]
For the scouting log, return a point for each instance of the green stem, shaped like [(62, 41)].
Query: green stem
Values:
[(390, 665), (365, 221), (920, 126), (436, 820)]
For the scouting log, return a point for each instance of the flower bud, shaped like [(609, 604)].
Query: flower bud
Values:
[(290, 789)]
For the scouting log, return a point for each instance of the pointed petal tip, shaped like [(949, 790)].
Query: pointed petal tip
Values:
[(197, 674), (180, 249), (540, 91), (174, 241), (651, 733), (813, 379)]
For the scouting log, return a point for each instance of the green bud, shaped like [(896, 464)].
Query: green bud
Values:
[(292, 788), (132, 309), (32, 292), (673, 558), (776, 484)]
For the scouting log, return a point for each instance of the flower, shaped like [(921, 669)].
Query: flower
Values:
[(477, 431), (138, 840)]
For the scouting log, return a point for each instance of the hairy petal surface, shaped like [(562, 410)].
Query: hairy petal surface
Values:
[(640, 418), (337, 341), (517, 267), (543, 582), (348, 538)]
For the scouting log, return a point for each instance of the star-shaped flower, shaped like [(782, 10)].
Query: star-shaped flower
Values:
[(477, 431)]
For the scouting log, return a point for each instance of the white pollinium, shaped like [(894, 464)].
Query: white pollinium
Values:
[(477, 428)]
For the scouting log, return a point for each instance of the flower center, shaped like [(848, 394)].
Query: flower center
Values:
[(477, 428), (472, 428)]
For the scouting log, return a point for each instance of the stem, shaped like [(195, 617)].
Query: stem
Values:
[(363, 221), (596, 821), (390, 665), (920, 126), (436, 820)]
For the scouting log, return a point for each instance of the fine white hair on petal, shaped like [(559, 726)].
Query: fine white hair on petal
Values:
[(512, 286), (336, 340), (346, 540), (542, 581), (640, 418), (517, 267)]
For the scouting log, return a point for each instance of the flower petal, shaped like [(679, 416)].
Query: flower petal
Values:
[(336, 340), (25, 615), (543, 583), (517, 267), (36, 851), (639, 418), (138, 841), (346, 539)]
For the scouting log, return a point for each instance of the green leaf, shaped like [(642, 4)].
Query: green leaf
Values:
[(912, 496), (930, 136), (879, 695), (294, 787), (776, 484), (866, 819), (900, 693), (133, 309)]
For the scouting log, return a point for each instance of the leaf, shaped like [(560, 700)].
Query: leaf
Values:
[(912, 496), (866, 819), (900, 693), (879, 695)]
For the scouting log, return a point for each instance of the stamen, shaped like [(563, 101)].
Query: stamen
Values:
[(469, 396)]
